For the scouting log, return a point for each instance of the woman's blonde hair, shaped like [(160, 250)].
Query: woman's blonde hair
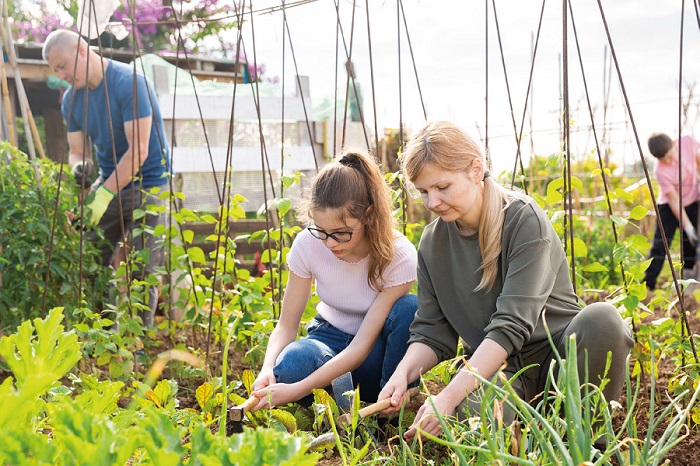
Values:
[(448, 147), (354, 184)]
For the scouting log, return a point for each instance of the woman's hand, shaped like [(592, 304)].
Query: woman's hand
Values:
[(426, 420), (277, 394), (265, 378)]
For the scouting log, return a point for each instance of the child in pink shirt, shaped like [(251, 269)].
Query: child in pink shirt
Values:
[(363, 270), (667, 174)]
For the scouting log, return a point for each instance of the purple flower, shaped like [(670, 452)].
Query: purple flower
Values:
[(27, 28)]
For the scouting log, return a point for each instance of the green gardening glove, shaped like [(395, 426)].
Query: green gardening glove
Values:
[(96, 205)]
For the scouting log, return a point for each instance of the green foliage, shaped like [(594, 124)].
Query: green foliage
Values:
[(128, 420), (652, 447), (85, 438), (40, 354), (84, 424), (30, 201), (252, 301), (559, 429), (251, 448)]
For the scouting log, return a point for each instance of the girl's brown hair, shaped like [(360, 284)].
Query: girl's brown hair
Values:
[(448, 147), (354, 184)]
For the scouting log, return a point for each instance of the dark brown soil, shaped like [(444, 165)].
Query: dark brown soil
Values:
[(688, 450)]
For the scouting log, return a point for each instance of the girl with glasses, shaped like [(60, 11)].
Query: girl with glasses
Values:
[(491, 270), (363, 270)]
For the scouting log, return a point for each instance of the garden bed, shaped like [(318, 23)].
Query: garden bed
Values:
[(686, 453)]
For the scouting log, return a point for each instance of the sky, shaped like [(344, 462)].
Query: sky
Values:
[(449, 43)]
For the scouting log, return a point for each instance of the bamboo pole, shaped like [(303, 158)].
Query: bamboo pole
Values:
[(35, 132), (7, 105), (21, 93)]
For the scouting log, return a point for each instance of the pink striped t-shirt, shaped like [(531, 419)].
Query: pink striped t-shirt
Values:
[(342, 286), (667, 173)]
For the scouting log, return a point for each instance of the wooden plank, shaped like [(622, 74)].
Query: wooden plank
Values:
[(236, 227), (245, 250), (31, 70), (218, 76), (242, 248)]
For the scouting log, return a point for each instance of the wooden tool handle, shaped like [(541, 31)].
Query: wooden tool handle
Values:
[(374, 408), (237, 412), (250, 403)]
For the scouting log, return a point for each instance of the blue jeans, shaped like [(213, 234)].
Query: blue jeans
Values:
[(323, 341), (657, 253), (138, 232)]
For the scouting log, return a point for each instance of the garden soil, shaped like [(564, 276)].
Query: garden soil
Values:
[(687, 452)]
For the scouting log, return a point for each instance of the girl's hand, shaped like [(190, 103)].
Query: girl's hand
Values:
[(277, 394), (426, 420), (265, 378)]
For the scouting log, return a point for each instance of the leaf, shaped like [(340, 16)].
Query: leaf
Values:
[(41, 353), (553, 197), (580, 248), (595, 267), (102, 398), (248, 378), (164, 392), (630, 302), (555, 185), (621, 193), (188, 236), (115, 369), (286, 419), (576, 184), (283, 205), (663, 325), (321, 397), (619, 221), (87, 438), (239, 198), (265, 256), (81, 327), (17, 407), (104, 358), (204, 393), (161, 439), (196, 255), (639, 212), (151, 395), (638, 241), (237, 212)]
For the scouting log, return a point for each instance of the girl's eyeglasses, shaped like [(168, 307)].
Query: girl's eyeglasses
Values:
[(338, 236)]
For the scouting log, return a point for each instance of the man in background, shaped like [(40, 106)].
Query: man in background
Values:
[(114, 108)]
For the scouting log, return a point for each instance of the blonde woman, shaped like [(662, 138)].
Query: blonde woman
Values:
[(363, 270), (490, 268)]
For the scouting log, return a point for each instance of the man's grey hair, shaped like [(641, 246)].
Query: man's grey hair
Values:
[(63, 39)]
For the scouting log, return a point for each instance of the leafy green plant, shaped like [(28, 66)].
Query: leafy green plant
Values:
[(46, 422), (30, 201), (40, 354), (561, 428)]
